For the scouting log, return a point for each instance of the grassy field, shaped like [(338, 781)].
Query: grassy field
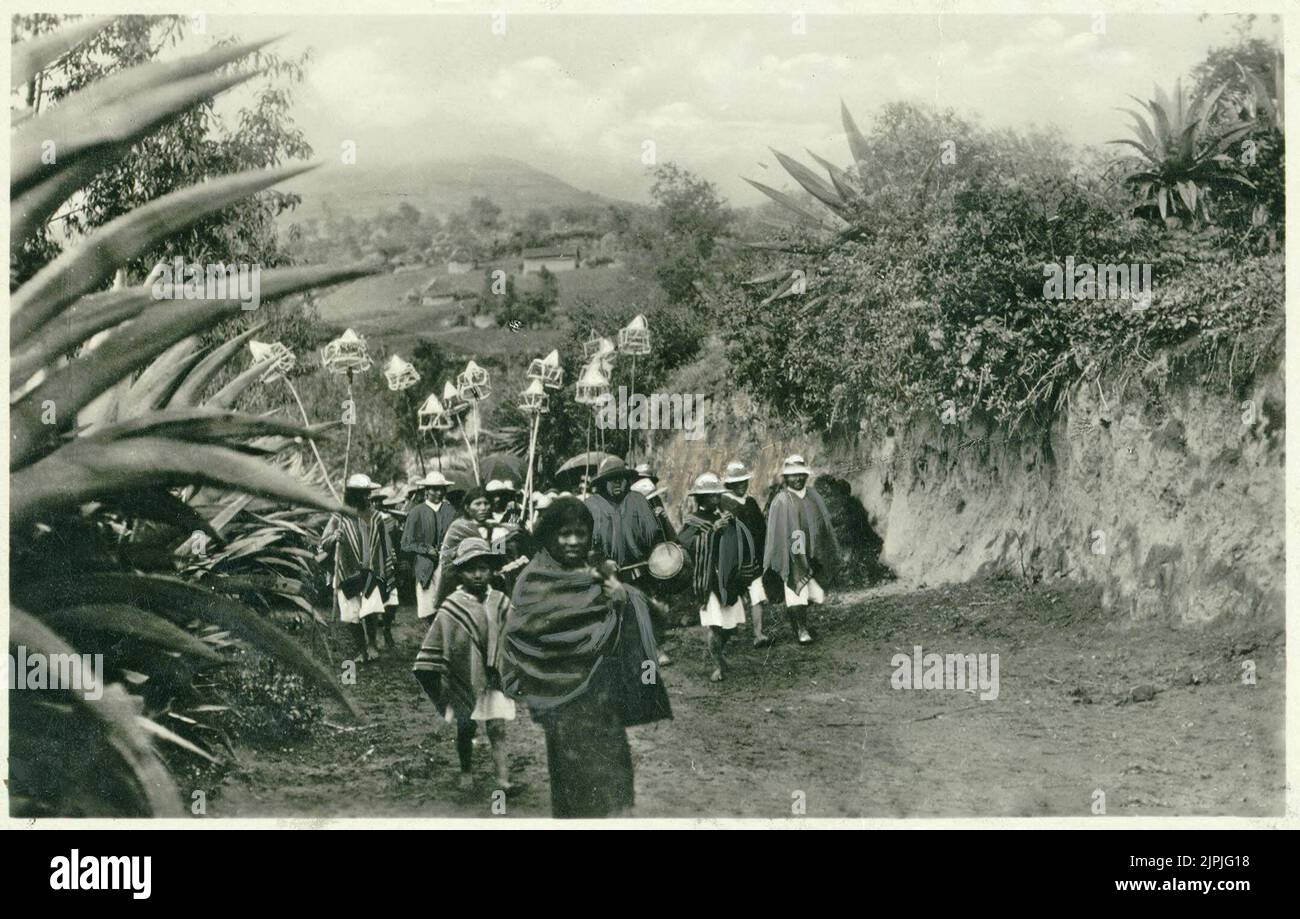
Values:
[(375, 307)]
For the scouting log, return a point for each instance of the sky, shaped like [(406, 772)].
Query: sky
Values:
[(580, 96)]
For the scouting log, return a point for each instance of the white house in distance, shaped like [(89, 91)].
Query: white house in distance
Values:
[(553, 258)]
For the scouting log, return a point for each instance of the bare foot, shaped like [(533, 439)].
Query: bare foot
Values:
[(664, 659), (804, 637), (761, 640), (716, 676)]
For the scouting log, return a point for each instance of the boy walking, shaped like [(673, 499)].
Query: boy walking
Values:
[(801, 545)]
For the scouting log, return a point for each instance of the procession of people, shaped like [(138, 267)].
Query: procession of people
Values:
[(558, 602)]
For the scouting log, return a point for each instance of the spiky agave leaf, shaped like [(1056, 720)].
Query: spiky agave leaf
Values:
[(180, 602), (33, 56), (74, 755)]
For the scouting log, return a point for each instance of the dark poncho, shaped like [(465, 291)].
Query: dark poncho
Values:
[(563, 638), (789, 514), (626, 531), (724, 561)]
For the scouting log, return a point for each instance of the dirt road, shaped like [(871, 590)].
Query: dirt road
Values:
[(1157, 719)]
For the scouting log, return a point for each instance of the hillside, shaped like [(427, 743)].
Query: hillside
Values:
[(434, 186), (374, 306)]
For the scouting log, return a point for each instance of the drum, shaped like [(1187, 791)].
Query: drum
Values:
[(667, 566)]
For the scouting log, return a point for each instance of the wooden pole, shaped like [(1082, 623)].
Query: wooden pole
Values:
[(311, 440), (347, 451)]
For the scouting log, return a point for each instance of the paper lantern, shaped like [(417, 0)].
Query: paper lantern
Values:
[(452, 401), (346, 353), (591, 345), (284, 359), (473, 383), (534, 398), (432, 416), (548, 370), (634, 338), (593, 386), (399, 374)]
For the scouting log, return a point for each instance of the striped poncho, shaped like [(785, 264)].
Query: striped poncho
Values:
[(724, 560), (363, 555), (460, 657)]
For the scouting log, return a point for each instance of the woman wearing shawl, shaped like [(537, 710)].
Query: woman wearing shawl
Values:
[(722, 552), (364, 565), (580, 652), (801, 543), (459, 664)]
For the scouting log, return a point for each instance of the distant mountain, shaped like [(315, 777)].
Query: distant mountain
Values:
[(437, 186)]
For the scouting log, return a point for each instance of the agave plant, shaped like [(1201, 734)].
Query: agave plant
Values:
[(1182, 157), (108, 418)]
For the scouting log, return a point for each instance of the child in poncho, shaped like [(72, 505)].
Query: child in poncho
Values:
[(459, 664), (722, 553), (364, 565)]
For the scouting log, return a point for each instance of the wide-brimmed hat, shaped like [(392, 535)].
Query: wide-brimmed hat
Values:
[(359, 481), (472, 548), (434, 479), (794, 465), (645, 472), (736, 471), (499, 485), (612, 468), (647, 488), (707, 484)]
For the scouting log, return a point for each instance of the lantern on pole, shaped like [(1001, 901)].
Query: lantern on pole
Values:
[(432, 416), (547, 370), (473, 383), (277, 352), (534, 398), (533, 401), (280, 362), (456, 403), (634, 338), (347, 354), (592, 390), (401, 376), (591, 345)]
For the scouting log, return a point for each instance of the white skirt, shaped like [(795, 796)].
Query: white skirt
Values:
[(393, 600), (714, 613), (812, 593), (756, 592), (352, 610), (491, 705), (424, 599)]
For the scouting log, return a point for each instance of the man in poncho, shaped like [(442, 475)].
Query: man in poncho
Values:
[(625, 526), (579, 650), (364, 565), (735, 479), (801, 545), (721, 550), (426, 527)]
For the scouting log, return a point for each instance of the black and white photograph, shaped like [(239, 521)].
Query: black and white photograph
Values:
[(655, 414)]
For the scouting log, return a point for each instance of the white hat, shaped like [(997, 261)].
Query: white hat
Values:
[(794, 465), (434, 479), (736, 471), (707, 484), (500, 485), (359, 480), (647, 488), (644, 470)]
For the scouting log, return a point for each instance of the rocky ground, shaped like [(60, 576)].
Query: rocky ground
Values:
[(1157, 719)]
